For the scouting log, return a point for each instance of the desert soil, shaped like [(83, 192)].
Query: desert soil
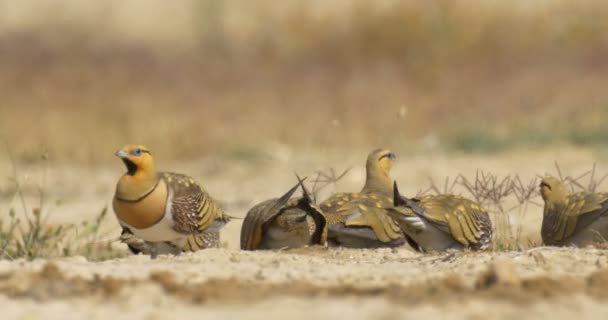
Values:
[(530, 283)]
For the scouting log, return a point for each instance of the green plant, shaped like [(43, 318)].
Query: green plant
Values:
[(31, 237), (34, 239)]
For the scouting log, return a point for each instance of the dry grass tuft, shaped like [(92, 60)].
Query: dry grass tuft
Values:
[(508, 199), (29, 235)]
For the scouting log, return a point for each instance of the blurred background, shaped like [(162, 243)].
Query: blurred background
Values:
[(193, 78)]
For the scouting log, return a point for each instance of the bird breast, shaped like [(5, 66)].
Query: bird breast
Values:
[(144, 212)]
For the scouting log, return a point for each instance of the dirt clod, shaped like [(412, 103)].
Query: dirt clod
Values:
[(501, 273)]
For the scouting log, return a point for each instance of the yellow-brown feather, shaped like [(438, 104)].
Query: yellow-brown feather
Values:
[(205, 240), (372, 202), (194, 211), (567, 216), (459, 218), (270, 217)]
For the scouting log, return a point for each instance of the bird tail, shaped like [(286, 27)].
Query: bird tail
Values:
[(223, 216), (221, 219)]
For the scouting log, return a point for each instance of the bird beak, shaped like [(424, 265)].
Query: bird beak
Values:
[(121, 154)]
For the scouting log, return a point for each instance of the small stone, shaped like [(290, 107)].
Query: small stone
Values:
[(260, 275), (539, 258), (500, 273)]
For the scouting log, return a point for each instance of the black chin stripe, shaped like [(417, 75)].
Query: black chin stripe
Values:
[(131, 167)]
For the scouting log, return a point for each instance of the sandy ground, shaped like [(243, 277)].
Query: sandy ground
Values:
[(358, 284), (300, 284)]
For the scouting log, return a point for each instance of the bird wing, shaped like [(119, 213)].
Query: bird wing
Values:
[(260, 217), (252, 229), (193, 209), (580, 211), (463, 219), (334, 203), (369, 210), (206, 239), (319, 234)]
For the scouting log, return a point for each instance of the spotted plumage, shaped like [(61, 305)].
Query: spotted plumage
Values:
[(359, 220), (194, 211), (284, 223), (440, 222), (572, 219), (162, 208)]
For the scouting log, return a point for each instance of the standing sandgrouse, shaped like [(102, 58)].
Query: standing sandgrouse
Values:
[(169, 212), (440, 222), (359, 220), (572, 219), (284, 223)]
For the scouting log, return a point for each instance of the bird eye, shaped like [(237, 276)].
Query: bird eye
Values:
[(390, 156), (137, 152)]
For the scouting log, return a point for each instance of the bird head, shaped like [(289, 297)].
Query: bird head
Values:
[(380, 162), (137, 158), (552, 190)]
